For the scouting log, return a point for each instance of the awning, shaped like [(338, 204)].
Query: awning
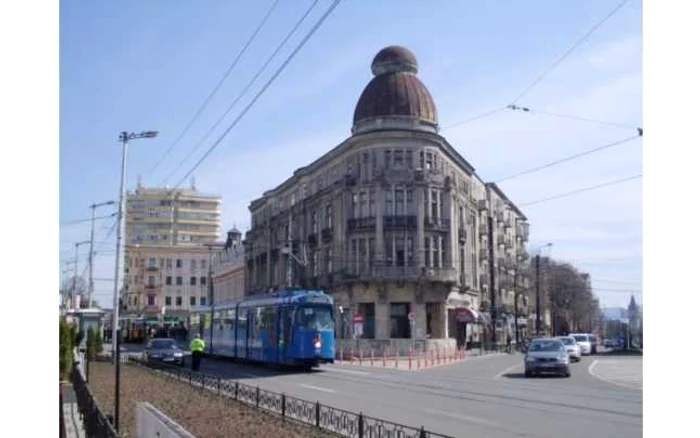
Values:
[(466, 314)]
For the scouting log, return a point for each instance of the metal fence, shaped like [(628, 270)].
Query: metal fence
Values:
[(324, 417), (61, 419), (94, 421)]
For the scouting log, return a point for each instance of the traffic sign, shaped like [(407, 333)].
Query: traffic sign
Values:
[(358, 318), (412, 316)]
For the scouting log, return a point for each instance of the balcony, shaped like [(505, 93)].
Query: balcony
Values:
[(436, 224), (363, 223), (152, 269), (462, 233), (481, 205), (326, 235), (409, 221)]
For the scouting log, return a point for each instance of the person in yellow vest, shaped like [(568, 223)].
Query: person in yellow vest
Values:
[(197, 349)]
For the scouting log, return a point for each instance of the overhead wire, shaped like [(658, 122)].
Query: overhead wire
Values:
[(569, 158), (218, 85), (244, 91), (572, 117), (81, 221), (586, 189), (264, 88)]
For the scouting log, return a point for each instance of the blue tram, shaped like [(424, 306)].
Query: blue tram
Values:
[(294, 327)]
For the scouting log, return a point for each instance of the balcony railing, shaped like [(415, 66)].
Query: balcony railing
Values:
[(405, 221), (439, 224), (362, 223)]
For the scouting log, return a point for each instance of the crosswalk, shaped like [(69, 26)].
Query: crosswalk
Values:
[(627, 373)]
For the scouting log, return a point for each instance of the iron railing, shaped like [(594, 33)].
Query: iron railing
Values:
[(339, 421), (61, 418), (94, 420)]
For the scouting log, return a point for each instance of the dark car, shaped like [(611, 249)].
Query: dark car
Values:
[(164, 350), (547, 355)]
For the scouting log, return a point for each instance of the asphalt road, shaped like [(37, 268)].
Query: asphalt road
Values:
[(482, 397)]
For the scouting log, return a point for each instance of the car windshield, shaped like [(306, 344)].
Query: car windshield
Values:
[(552, 345), (314, 318), (567, 341), (163, 344), (581, 338)]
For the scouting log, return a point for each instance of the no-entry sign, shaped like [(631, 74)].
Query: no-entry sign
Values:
[(358, 318)]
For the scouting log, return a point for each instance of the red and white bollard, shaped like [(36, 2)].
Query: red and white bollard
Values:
[(371, 357), (410, 358), (384, 358), (340, 356), (352, 355), (432, 357), (396, 351), (360, 356), (425, 358), (418, 360)]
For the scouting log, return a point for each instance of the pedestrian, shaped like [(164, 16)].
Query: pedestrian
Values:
[(509, 344), (197, 349)]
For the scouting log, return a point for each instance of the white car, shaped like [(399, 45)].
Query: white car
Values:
[(572, 347), (583, 342)]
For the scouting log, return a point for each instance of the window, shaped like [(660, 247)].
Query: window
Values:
[(169, 263), (329, 260), (151, 262), (388, 202), (178, 263), (387, 158), (193, 301), (168, 301), (161, 263), (151, 280), (389, 250), (193, 265), (400, 252), (329, 216), (202, 301), (367, 310), (193, 281), (409, 159), (203, 264), (353, 254), (432, 314), (371, 202), (400, 206), (426, 252), (364, 204), (371, 251), (151, 300), (202, 281), (178, 281), (314, 222), (168, 280), (433, 204), (436, 252), (400, 326), (398, 158), (363, 254), (355, 207)]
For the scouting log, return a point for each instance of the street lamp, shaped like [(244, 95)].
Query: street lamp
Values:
[(538, 325), (124, 137), (91, 283)]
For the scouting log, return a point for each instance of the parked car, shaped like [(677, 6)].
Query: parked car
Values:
[(583, 341), (547, 355), (164, 350), (571, 347)]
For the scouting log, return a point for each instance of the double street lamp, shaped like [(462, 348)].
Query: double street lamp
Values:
[(124, 138)]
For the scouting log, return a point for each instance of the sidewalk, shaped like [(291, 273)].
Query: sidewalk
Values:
[(72, 419)]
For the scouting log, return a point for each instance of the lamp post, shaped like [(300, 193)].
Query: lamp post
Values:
[(91, 283), (124, 138), (538, 326)]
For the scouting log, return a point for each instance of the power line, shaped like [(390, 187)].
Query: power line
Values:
[(568, 52), (619, 181), (216, 88), (567, 116), (267, 84), (569, 158), (471, 119), (242, 93), (80, 221)]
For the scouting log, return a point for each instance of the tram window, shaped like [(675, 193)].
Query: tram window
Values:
[(314, 318)]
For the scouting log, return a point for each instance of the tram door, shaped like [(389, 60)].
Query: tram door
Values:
[(286, 316)]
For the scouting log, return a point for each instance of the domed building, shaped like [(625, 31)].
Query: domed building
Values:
[(393, 223)]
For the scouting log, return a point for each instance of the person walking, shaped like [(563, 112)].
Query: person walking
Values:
[(197, 349)]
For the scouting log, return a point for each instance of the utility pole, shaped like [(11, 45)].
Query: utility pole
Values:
[(75, 271), (492, 274), (124, 138), (91, 282), (538, 324)]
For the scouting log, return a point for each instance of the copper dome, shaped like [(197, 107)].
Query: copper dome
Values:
[(396, 91)]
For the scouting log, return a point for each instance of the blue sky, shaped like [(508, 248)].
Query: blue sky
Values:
[(141, 65)]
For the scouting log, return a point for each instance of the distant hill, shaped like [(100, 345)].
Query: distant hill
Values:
[(615, 313)]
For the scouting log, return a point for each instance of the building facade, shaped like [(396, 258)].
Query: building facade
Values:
[(164, 216), (229, 270), (170, 243), (392, 222)]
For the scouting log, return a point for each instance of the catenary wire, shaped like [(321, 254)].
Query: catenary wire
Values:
[(575, 192), (243, 92), (217, 87), (264, 88)]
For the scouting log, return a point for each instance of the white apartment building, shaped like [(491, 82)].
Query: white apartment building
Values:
[(392, 222)]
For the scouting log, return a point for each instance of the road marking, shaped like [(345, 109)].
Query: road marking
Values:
[(510, 368), (318, 388), (340, 370), (597, 376), (462, 417)]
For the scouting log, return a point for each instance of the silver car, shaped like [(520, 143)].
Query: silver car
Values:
[(571, 347), (547, 355)]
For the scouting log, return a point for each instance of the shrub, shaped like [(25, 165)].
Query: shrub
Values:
[(90, 344), (99, 348), (66, 333)]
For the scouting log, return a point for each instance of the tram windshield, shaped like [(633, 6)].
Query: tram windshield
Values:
[(314, 318)]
